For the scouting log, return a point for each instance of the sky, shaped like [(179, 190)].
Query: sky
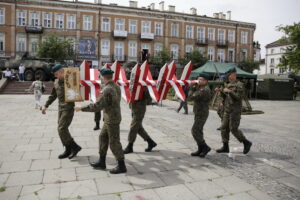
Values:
[(266, 14)]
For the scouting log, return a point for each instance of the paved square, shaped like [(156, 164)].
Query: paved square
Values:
[(30, 169)]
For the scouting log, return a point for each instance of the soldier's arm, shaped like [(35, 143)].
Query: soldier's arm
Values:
[(192, 90), (104, 100), (51, 98), (237, 92), (200, 94)]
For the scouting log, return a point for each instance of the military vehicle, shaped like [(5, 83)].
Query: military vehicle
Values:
[(33, 66)]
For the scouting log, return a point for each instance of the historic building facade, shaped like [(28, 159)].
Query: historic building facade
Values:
[(106, 33)]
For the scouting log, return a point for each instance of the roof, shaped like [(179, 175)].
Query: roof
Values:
[(217, 69), (278, 43)]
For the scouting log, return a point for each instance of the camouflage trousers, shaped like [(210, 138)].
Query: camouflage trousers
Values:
[(197, 129), (220, 111), (97, 117), (65, 118), (110, 136), (136, 127), (230, 123)]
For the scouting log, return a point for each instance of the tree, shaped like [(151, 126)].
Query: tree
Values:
[(248, 65), (196, 57), (55, 48), (291, 57), (161, 58)]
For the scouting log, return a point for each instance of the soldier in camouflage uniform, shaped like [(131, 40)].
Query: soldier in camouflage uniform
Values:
[(233, 94), (138, 109), (109, 102), (220, 99), (65, 114), (201, 96)]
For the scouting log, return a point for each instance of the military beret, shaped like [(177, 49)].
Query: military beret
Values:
[(231, 70), (204, 75), (106, 71), (56, 68)]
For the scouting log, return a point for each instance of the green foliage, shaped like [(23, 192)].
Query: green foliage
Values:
[(2, 189), (248, 65), (196, 57), (161, 58), (291, 59), (55, 48)]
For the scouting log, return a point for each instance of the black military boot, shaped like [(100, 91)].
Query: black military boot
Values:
[(197, 153), (101, 164), (66, 153), (97, 127), (75, 148), (120, 168), (247, 146), (205, 150), (129, 148), (151, 145), (224, 149)]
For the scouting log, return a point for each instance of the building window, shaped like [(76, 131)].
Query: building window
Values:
[(221, 35), (158, 47), (174, 51), (33, 46), (244, 55), (244, 37), (159, 28), (271, 71), (211, 34), (105, 24), (132, 26), (105, 47), (201, 33), (87, 22), (231, 55), (119, 51), (189, 32), (281, 70), (71, 22), (2, 16), (272, 51), (189, 49), (221, 55), (272, 60), (174, 30), (21, 43), (2, 44), (21, 20), (231, 36), (59, 21), (120, 24), (282, 50), (146, 26), (202, 50), (132, 49), (34, 18), (48, 20), (211, 53)]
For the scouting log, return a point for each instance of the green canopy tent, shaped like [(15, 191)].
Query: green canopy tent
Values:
[(215, 69)]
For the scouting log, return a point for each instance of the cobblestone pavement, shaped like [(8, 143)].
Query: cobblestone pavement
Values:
[(29, 145)]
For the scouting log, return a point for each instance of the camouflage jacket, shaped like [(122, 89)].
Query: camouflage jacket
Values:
[(233, 100), (109, 102), (201, 96), (58, 92), (138, 108)]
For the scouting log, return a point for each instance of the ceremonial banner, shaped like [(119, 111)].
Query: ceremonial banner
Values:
[(72, 85)]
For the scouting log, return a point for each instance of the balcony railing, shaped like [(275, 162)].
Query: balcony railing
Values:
[(34, 29), (222, 43), (202, 41), (120, 34), (147, 36)]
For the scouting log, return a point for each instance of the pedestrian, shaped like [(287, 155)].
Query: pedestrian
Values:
[(97, 119), (200, 93), (184, 103), (38, 87), (109, 102), (296, 89), (8, 74), (233, 94), (21, 72), (65, 114), (138, 110)]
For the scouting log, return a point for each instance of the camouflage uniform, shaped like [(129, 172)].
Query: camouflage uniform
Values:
[(109, 102), (97, 117), (65, 111), (232, 111), (138, 109), (201, 96)]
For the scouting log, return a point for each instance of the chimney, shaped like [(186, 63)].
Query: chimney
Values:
[(162, 6), (152, 6), (98, 1), (229, 15), (133, 4), (171, 8), (193, 11)]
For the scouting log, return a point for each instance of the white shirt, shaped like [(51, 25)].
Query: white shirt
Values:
[(21, 69), (7, 73)]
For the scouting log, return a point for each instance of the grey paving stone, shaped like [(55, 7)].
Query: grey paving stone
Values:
[(86, 173), (206, 189), (113, 184), (293, 171), (45, 164), (3, 178), (148, 194), (145, 181), (201, 173), (59, 175), (42, 191), (25, 178), (78, 188), (15, 166), (27, 147), (233, 184), (239, 196), (175, 192), (10, 193), (291, 181), (36, 155), (11, 156), (259, 195), (272, 171), (174, 177)]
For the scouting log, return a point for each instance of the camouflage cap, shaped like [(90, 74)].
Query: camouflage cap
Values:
[(56, 68), (204, 75), (231, 70), (106, 71)]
